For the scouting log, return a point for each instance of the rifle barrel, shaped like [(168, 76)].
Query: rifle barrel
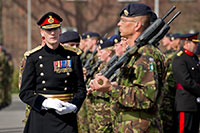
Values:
[(172, 19), (168, 12)]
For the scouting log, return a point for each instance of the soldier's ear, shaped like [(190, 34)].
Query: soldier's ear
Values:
[(41, 32)]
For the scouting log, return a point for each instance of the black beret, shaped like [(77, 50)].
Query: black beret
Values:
[(84, 35), (175, 36), (92, 34), (115, 39), (136, 9), (50, 20), (69, 36), (105, 43)]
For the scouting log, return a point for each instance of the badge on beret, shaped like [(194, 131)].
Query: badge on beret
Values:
[(88, 36), (51, 20), (115, 40), (101, 41), (63, 66), (126, 13)]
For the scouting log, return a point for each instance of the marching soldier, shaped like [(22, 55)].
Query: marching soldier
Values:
[(186, 70), (52, 82), (135, 99)]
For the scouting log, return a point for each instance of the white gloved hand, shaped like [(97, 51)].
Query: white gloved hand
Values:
[(50, 103), (68, 108)]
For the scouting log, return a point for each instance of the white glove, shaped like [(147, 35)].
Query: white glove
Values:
[(68, 108), (50, 103), (198, 99)]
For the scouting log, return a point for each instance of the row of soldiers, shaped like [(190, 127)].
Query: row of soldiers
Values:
[(139, 95), (96, 113), (6, 72)]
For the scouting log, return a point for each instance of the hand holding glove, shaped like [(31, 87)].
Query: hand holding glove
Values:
[(68, 108)]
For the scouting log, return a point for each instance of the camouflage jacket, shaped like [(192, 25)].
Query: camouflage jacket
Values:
[(139, 91)]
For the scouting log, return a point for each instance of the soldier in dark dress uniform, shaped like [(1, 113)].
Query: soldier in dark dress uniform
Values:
[(186, 70), (52, 83)]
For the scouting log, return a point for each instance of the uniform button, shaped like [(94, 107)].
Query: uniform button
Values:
[(41, 74), (44, 89), (197, 64), (41, 65), (65, 88), (68, 74), (43, 82), (68, 57), (40, 57), (65, 81), (192, 68)]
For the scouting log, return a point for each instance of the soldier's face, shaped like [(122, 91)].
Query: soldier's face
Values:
[(51, 36), (104, 55), (126, 26), (192, 47)]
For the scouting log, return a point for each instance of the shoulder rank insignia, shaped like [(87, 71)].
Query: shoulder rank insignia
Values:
[(76, 50), (180, 53), (27, 53)]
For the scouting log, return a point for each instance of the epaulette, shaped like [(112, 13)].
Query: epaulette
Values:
[(179, 53), (27, 53), (76, 50)]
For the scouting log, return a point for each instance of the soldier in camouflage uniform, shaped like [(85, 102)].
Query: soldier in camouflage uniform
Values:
[(135, 99), (6, 74), (102, 121)]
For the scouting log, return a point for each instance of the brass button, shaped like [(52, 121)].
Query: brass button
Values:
[(43, 82), (68, 57), (192, 68), (41, 65), (65, 88), (44, 89), (65, 81), (41, 74), (40, 57), (68, 74)]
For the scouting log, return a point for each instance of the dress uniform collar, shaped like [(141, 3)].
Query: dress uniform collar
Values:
[(53, 51), (188, 52)]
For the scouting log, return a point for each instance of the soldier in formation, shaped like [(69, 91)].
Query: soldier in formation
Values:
[(6, 75)]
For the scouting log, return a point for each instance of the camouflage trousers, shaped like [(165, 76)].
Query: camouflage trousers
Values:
[(103, 121), (82, 118), (129, 123)]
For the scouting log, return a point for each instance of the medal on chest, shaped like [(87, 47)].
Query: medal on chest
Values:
[(62, 66)]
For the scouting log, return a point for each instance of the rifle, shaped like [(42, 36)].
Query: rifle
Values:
[(93, 70), (87, 64), (84, 55), (111, 62), (151, 35)]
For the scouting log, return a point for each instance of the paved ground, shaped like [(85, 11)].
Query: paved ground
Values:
[(11, 117)]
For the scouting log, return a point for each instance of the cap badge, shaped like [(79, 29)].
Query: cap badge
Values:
[(88, 36), (101, 42), (51, 20), (126, 13), (115, 40)]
